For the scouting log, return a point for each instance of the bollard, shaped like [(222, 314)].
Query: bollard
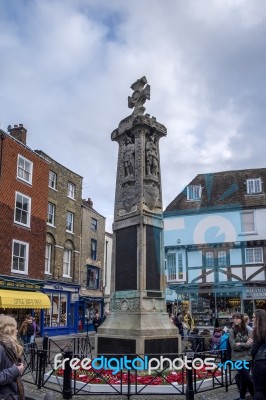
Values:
[(189, 373), (40, 368), (45, 343), (67, 377)]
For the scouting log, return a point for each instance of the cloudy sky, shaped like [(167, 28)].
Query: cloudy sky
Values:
[(67, 66)]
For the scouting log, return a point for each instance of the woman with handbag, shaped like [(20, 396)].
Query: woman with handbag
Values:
[(11, 368), (258, 353), (241, 343)]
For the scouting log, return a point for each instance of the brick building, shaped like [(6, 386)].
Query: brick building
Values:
[(92, 265), (23, 210), (62, 250)]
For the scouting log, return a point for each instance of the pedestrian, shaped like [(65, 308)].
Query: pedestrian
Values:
[(194, 340), (241, 343), (11, 387), (216, 338), (189, 321), (258, 353), (96, 322), (178, 323), (206, 340), (224, 344)]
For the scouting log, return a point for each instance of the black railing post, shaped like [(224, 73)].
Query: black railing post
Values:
[(67, 377), (189, 373), (40, 368), (45, 348)]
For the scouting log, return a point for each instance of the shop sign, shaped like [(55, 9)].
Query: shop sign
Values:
[(13, 284), (255, 293), (74, 297)]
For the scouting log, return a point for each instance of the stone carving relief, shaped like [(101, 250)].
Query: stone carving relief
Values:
[(151, 195), (152, 163), (126, 304), (139, 96), (129, 157), (128, 195)]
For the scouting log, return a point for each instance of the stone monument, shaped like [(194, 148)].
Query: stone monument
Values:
[(138, 322)]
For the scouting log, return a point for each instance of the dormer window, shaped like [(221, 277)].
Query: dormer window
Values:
[(194, 192), (254, 186)]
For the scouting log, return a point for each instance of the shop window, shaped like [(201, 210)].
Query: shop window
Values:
[(254, 255), (93, 249), (52, 182), (254, 186), (20, 257), (209, 259), (24, 169), (180, 266), (57, 315), (93, 278), (171, 266), (194, 192), (247, 222), (22, 209)]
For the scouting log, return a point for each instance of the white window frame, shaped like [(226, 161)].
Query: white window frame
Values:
[(67, 261), (24, 172), (51, 207), (254, 186), (71, 190), (209, 256), (247, 226), (222, 258), (171, 267), (28, 211), (180, 267), (93, 276), (70, 222), (194, 192), (26, 258), (52, 181), (48, 258), (253, 255)]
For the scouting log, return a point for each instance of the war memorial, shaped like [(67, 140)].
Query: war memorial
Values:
[(138, 322)]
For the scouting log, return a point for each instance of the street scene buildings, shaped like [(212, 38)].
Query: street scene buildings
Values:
[(215, 245)]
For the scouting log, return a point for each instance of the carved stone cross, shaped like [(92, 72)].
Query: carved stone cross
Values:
[(139, 96)]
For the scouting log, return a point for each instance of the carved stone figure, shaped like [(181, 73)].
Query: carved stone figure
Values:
[(151, 156), (139, 96), (129, 160)]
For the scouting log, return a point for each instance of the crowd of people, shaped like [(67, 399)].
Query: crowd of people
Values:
[(243, 340)]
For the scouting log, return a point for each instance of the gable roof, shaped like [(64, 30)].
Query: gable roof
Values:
[(221, 190)]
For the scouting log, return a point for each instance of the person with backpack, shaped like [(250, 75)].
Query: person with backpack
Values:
[(258, 353), (216, 338), (241, 343), (224, 344)]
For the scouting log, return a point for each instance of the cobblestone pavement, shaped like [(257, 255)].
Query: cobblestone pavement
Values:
[(32, 392)]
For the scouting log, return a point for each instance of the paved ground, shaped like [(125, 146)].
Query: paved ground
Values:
[(32, 392)]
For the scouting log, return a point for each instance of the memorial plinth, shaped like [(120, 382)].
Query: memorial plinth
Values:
[(138, 322)]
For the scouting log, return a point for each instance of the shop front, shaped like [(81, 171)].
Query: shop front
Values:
[(88, 307), (62, 317), (253, 298), (19, 297)]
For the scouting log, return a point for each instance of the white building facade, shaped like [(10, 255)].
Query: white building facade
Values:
[(214, 237)]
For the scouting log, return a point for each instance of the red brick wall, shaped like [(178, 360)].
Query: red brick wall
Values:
[(38, 192)]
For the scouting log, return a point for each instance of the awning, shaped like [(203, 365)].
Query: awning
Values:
[(21, 299)]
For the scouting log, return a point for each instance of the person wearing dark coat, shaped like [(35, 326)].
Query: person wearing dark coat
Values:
[(195, 340), (96, 322), (258, 353), (179, 325), (10, 368)]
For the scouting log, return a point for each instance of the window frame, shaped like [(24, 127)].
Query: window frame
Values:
[(67, 262), (171, 267), (52, 214), (70, 222), (26, 259), (30, 172), (253, 249), (28, 212), (94, 224), (54, 181), (94, 251), (96, 270), (194, 192), (71, 190), (243, 223), (253, 184), (48, 259), (209, 261)]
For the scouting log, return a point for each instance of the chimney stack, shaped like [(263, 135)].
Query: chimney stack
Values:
[(19, 133)]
